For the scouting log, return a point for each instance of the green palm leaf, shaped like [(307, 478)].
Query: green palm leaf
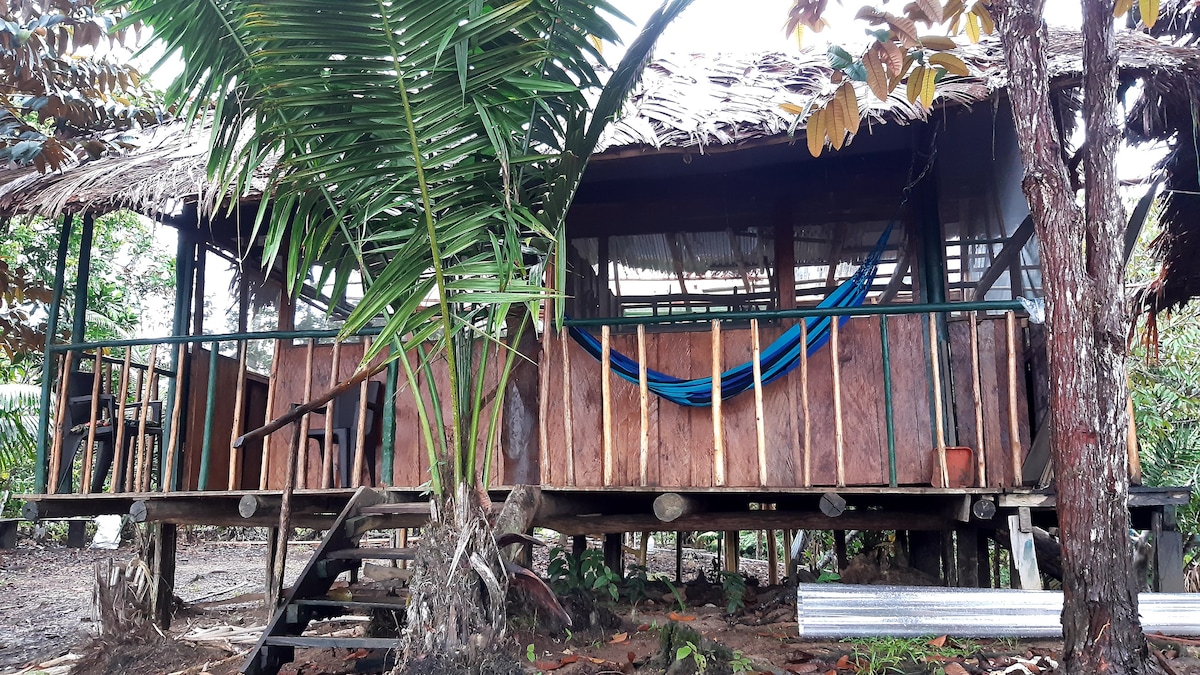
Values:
[(18, 425)]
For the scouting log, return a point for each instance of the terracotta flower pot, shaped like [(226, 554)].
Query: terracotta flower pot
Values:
[(960, 467)]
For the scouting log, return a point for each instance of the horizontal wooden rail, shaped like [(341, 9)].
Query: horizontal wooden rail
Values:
[(224, 337), (862, 310)]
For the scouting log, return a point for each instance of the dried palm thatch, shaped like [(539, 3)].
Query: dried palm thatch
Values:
[(121, 598), (710, 103)]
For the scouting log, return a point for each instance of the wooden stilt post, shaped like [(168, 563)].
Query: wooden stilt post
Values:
[(732, 541), (678, 557), (272, 589), (772, 559), (839, 549), (163, 573), (285, 514), (614, 554), (718, 431), (1024, 554)]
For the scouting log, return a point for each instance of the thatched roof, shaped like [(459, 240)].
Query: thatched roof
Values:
[(692, 104)]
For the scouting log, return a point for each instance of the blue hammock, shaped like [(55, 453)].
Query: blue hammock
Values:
[(776, 360)]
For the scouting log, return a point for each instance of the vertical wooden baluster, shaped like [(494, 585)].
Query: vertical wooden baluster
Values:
[(606, 401), (644, 409), (759, 421), (544, 403), (301, 451), (168, 481), (977, 400), (272, 389), (804, 402), (939, 428), (360, 432), (1014, 431), (718, 431), (132, 462), (327, 453), (838, 434), (60, 431), (143, 468), (568, 422), (235, 454), (119, 458), (94, 421)]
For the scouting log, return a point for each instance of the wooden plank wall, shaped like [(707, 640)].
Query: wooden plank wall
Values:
[(218, 466), (411, 460), (681, 439)]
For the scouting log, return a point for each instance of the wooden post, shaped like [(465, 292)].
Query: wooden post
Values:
[(94, 421), (1014, 434), (977, 401), (163, 573), (143, 466), (285, 514), (176, 410), (327, 452), (59, 420), (772, 559), (939, 426), (272, 388), (300, 453), (838, 437), (235, 454), (718, 432), (644, 408), (678, 557), (606, 402), (967, 556), (119, 425), (759, 422), (614, 554), (360, 431), (1131, 445), (568, 422), (804, 403), (271, 596), (732, 542)]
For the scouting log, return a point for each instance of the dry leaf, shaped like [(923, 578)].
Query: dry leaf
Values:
[(843, 662), (938, 642), (674, 616), (835, 122), (815, 132), (1122, 8), (618, 638), (791, 108), (548, 665), (929, 86), (913, 90), (953, 668), (951, 63), (643, 627), (903, 29), (938, 43), (802, 668), (931, 9), (849, 101), (876, 74)]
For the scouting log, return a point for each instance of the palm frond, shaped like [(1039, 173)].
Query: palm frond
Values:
[(18, 424)]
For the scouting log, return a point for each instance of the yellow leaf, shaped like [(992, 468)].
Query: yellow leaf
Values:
[(929, 86), (951, 63), (1149, 10), (937, 43), (913, 90), (835, 122), (849, 99), (597, 43), (815, 132), (791, 108), (876, 75), (952, 12), (1122, 8), (972, 27), (985, 18)]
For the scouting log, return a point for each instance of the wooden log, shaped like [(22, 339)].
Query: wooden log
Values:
[(772, 559), (670, 506), (119, 424), (873, 520), (731, 542), (327, 446), (643, 409), (272, 390), (939, 425), (301, 454), (94, 421), (977, 403), (838, 435), (759, 421), (235, 455), (614, 552), (60, 418), (516, 516), (983, 509), (568, 422), (1131, 444), (285, 504), (1014, 425), (176, 413), (718, 432), (143, 457), (360, 432), (606, 402), (833, 504), (162, 594), (807, 437)]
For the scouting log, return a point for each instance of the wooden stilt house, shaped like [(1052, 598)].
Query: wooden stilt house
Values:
[(755, 338)]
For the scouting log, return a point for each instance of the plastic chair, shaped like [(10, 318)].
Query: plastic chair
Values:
[(345, 431), (76, 426)]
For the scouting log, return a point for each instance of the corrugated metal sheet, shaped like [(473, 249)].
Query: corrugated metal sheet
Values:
[(844, 610)]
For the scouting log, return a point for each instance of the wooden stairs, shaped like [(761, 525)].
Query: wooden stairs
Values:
[(313, 596)]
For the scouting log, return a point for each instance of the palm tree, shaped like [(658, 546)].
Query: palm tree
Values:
[(432, 148)]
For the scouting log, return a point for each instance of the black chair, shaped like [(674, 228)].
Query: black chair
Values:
[(75, 427), (154, 430), (345, 431)]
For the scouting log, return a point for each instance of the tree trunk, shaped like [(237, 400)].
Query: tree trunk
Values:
[(1086, 324)]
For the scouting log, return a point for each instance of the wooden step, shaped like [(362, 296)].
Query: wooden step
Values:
[(397, 509), (380, 553), (314, 642), (399, 603)]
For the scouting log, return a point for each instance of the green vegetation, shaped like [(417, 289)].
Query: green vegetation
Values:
[(585, 574)]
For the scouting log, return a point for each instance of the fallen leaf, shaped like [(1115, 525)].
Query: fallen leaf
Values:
[(953, 668), (643, 627), (595, 660), (569, 659), (843, 663), (618, 638), (548, 665), (358, 654), (938, 642), (801, 668), (675, 616)]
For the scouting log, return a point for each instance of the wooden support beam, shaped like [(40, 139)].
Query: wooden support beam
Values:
[(939, 424), (239, 402), (643, 409), (873, 520), (833, 504), (760, 435), (924, 551), (606, 403), (163, 573), (614, 552), (1011, 253), (94, 421), (299, 453), (977, 404), (967, 556), (731, 542), (717, 420), (670, 506), (838, 435), (327, 446), (119, 425), (168, 479), (772, 559), (1014, 428), (568, 421), (840, 550), (360, 431)]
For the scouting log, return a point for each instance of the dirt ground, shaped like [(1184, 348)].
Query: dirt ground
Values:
[(46, 615)]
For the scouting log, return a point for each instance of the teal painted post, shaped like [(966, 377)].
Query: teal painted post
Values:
[(185, 255), (48, 369), (389, 422), (82, 275), (888, 414), (210, 400)]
